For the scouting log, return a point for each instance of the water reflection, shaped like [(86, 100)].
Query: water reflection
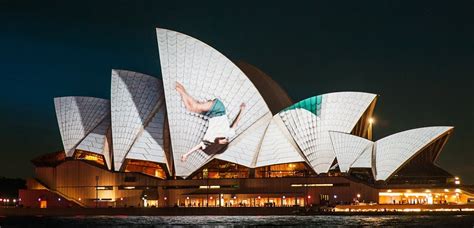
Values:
[(216, 221)]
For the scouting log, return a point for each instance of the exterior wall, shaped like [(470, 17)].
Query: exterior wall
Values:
[(33, 184), (34, 199), (275, 188), (76, 181), (47, 176)]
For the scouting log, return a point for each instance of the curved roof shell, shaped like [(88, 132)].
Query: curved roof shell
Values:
[(134, 99), (309, 122), (96, 141), (149, 145), (365, 159), (244, 149), (206, 74), (393, 151), (77, 117), (348, 148), (278, 147)]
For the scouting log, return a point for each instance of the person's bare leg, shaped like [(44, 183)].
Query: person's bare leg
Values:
[(185, 156), (190, 103)]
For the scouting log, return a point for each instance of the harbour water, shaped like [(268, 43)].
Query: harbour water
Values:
[(220, 221)]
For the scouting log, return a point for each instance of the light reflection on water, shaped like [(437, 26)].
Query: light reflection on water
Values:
[(219, 221)]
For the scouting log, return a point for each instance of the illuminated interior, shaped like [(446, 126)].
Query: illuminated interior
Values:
[(241, 200), (145, 167), (283, 170), (424, 196), (88, 156), (218, 169)]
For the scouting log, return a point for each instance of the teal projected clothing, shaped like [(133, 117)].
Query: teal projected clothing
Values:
[(312, 104), (217, 109)]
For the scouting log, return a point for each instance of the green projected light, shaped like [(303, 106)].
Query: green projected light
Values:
[(312, 104)]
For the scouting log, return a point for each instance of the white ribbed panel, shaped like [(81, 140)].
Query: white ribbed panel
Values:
[(206, 74), (348, 148), (149, 145), (365, 158), (77, 116), (95, 141), (134, 97), (339, 112), (395, 150), (278, 147), (244, 148)]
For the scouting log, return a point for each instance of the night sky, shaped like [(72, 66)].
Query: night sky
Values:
[(419, 57)]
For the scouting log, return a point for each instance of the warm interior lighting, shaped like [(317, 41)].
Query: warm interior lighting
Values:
[(129, 187), (390, 194), (145, 167), (312, 185), (89, 156), (446, 190), (389, 190), (211, 186)]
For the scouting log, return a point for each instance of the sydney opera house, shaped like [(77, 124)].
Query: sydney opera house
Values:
[(128, 151)]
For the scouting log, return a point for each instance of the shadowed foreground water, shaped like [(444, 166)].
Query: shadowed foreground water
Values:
[(216, 221)]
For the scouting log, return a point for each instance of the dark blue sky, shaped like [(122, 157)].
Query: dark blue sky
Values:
[(419, 57)]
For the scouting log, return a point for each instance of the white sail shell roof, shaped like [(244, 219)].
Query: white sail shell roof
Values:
[(96, 141), (245, 147), (309, 121), (206, 74), (77, 117), (365, 159), (278, 147), (393, 151), (134, 97), (149, 145), (348, 148)]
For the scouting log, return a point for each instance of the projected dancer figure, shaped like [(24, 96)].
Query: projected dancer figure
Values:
[(219, 131)]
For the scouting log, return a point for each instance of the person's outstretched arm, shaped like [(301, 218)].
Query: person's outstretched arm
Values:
[(237, 119), (192, 150)]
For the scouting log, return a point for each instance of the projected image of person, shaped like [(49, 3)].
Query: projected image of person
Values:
[(219, 130)]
